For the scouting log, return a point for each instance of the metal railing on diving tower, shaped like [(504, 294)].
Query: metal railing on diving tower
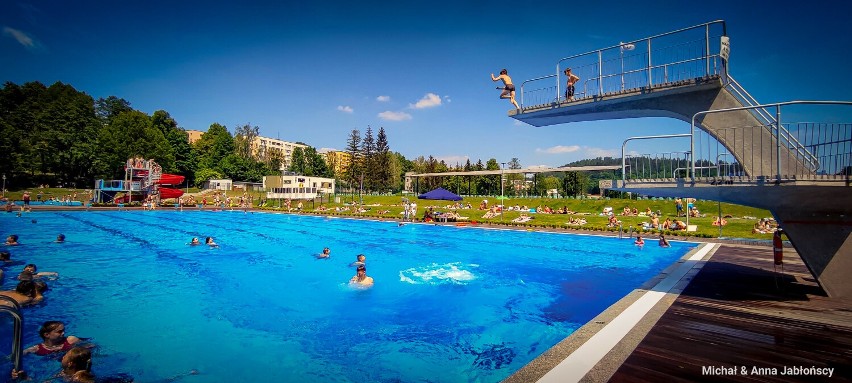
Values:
[(674, 74)]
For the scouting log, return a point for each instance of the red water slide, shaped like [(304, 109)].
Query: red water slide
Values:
[(170, 179)]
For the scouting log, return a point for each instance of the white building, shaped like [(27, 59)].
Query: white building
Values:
[(297, 187), (265, 146)]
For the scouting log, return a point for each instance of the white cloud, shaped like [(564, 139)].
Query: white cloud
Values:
[(598, 152), (394, 116), (20, 36), (383, 98), (559, 149), (453, 160), (430, 100), (345, 109), (447, 99)]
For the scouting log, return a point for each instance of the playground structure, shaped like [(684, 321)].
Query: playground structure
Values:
[(143, 179)]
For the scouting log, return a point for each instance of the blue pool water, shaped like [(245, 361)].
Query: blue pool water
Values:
[(449, 304)]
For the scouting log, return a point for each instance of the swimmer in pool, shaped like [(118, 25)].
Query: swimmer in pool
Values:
[(60, 238), (664, 242), (326, 252), (26, 293), (31, 272), (209, 242), (361, 279), (360, 260), (194, 241), (12, 240), (639, 241), (53, 338)]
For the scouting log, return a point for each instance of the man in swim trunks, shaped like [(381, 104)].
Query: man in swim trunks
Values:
[(508, 87), (569, 87)]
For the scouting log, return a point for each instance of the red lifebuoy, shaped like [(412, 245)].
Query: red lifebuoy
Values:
[(777, 248)]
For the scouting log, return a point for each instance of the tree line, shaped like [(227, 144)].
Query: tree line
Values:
[(59, 136)]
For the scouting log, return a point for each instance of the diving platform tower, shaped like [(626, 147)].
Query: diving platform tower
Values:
[(798, 171)]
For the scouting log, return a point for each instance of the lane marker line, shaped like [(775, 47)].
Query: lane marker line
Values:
[(584, 358)]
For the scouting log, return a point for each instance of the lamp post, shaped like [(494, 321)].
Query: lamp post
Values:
[(622, 48), (502, 196)]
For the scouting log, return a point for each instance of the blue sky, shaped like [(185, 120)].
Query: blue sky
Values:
[(313, 71)]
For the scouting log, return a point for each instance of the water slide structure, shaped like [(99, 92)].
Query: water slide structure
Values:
[(142, 178)]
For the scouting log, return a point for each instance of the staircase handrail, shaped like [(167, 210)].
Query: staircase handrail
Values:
[(768, 120)]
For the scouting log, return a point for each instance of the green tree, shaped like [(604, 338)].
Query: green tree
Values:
[(108, 108), (354, 170), (244, 136), (298, 164), (369, 163), (546, 184), (205, 174), (214, 145), (316, 163), (382, 165)]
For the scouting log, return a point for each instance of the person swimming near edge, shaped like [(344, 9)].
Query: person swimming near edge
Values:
[(361, 279), (664, 242), (26, 292), (31, 272), (60, 238), (194, 241), (209, 242), (76, 367), (639, 241), (53, 338), (326, 252), (360, 260)]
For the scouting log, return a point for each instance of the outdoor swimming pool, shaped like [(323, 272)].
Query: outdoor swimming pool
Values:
[(449, 304)]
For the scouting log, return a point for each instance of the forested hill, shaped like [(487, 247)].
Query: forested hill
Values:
[(599, 161)]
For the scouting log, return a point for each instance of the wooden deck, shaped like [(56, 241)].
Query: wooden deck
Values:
[(732, 315)]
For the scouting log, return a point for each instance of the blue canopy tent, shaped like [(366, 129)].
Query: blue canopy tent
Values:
[(440, 193)]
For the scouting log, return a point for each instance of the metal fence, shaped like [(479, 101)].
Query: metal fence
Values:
[(667, 58), (807, 151)]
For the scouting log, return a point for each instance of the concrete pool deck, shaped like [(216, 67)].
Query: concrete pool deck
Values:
[(729, 323)]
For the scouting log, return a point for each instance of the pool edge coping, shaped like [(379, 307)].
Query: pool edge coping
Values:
[(604, 368)]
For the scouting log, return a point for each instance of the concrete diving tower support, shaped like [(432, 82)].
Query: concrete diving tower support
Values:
[(748, 139), (814, 209)]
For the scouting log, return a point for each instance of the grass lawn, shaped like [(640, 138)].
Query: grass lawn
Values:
[(589, 209)]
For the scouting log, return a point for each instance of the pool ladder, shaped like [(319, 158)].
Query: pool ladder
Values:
[(621, 231), (14, 310)]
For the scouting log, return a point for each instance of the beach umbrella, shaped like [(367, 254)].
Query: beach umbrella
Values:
[(440, 194)]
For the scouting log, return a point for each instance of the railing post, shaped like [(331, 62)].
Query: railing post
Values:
[(649, 64), (707, 51), (778, 142), (600, 73), (557, 86)]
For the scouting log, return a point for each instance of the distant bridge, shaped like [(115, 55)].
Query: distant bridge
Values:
[(740, 150)]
